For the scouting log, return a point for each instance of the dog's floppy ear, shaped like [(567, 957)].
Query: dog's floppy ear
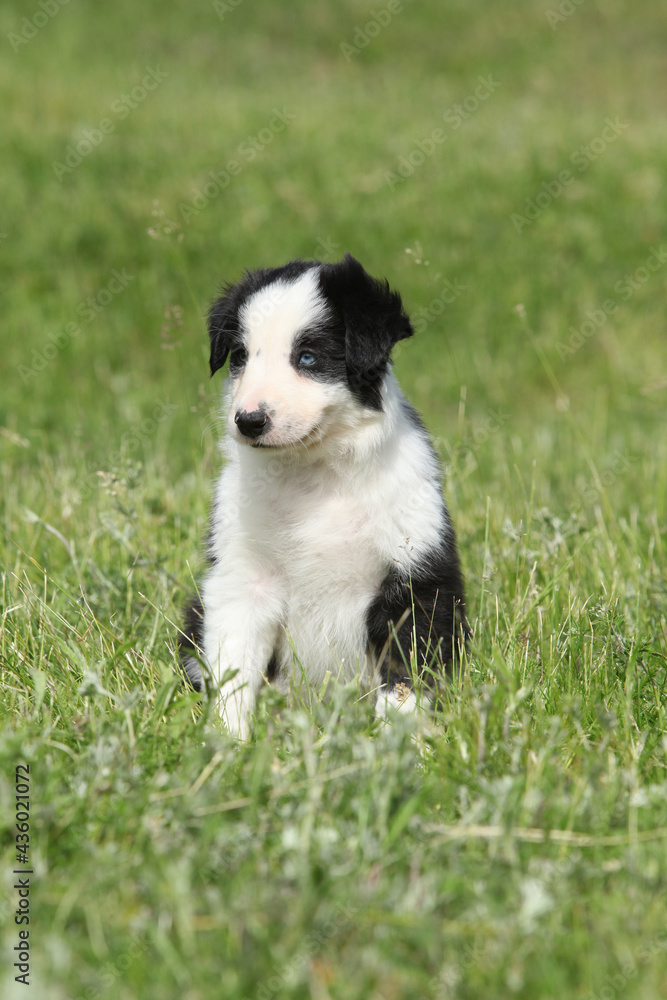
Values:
[(374, 321), (222, 328)]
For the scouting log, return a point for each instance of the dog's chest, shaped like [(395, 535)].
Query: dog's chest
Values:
[(321, 537), (324, 548)]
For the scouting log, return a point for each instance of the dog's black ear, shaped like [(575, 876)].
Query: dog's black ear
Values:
[(374, 321), (223, 318)]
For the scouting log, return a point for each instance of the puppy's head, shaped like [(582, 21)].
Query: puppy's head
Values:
[(308, 346)]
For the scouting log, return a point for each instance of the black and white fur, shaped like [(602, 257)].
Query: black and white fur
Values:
[(331, 549)]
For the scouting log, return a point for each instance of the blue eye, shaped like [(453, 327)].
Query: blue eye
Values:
[(306, 358)]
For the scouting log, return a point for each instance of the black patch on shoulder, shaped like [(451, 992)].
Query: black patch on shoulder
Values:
[(435, 590), (373, 320), (223, 318)]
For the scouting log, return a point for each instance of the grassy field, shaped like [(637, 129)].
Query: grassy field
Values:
[(504, 165)]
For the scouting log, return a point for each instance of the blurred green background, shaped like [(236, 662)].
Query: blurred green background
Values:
[(504, 165), (319, 187)]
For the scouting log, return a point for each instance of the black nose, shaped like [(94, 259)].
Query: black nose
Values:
[(252, 424)]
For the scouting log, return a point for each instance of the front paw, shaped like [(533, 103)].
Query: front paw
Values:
[(236, 707)]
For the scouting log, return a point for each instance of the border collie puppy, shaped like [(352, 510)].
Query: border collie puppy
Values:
[(331, 550)]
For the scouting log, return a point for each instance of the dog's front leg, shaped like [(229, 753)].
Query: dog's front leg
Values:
[(239, 635), (246, 650), (237, 701)]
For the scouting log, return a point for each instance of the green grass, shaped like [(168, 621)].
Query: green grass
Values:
[(330, 858)]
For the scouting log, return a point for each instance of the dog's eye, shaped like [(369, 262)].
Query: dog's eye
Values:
[(307, 358), (238, 357)]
